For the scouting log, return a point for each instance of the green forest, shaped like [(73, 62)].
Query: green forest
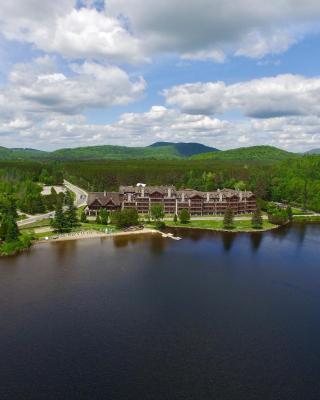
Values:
[(295, 181)]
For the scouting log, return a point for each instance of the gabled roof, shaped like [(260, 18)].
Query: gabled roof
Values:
[(104, 198), (147, 190)]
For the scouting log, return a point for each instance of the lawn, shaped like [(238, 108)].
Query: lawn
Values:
[(38, 224), (241, 225)]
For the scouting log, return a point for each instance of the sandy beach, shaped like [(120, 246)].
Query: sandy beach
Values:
[(95, 234)]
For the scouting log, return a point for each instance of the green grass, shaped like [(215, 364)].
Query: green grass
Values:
[(299, 211), (239, 226), (38, 224), (306, 218)]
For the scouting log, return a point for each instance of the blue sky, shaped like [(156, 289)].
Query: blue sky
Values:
[(132, 72)]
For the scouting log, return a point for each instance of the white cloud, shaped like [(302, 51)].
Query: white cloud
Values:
[(132, 30), (56, 26), (204, 28), (160, 123), (38, 88), (283, 95)]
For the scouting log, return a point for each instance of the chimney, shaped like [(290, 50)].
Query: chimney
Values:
[(169, 192), (142, 191), (183, 199), (220, 196), (208, 197), (241, 195), (105, 194)]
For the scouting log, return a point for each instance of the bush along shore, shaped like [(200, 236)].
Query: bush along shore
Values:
[(70, 223)]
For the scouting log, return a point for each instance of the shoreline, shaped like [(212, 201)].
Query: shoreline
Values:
[(96, 234), (226, 230)]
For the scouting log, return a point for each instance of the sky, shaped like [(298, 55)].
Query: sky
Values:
[(225, 73)]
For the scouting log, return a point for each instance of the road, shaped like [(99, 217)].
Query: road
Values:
[(35, 218), (81, 195), (81, 200)]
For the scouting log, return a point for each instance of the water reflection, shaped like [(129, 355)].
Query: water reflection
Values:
[(228, 240), (84, 308), (256, 240)]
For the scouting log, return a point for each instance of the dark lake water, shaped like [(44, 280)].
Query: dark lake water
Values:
[(213, 316)]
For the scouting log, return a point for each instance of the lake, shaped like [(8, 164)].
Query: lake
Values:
[(213, 316)]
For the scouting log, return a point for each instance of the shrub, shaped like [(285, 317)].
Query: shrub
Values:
[(257, 220), (125, 218), (157, 212), (83, 217), (104, 216), (228, 220), (184, 216), (277, 215)]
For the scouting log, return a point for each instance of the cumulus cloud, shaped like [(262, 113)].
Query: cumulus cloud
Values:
[(132, 30), (54, 130), (57, 26), (38, 87), (283, 95), (204, 28), (159, 123)]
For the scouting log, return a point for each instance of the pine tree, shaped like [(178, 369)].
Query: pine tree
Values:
[(12, 231), (104, 216), (290, 213), (184, 216), (83, 217), (71, 213), (8, 229), (175, 218), (59, 222), (98, 219), (257, 220), (228, 220)]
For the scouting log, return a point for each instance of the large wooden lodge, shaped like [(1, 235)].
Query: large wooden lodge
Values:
[(142, 197)]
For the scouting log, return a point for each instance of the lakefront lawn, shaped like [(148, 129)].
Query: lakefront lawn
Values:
[(239, 225)]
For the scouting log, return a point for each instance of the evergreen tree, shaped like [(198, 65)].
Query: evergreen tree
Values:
[(257, 220), (290, 213), (228, 220), (98, 219), (83, 217), (71, 213), (175, 218), (157, 212), (9, 231), (184, 216), (12, 230), (104, 216), (59, 222)]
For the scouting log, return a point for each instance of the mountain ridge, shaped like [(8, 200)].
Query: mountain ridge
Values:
[(157, 151)]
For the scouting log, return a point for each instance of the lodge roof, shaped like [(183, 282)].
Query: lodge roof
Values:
[(104, 198), (116, 197), (147, 189)]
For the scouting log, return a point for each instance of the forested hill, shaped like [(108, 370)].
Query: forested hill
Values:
[(21, 154), (157, 151), (313, 151), (185, 149), (266, 154)]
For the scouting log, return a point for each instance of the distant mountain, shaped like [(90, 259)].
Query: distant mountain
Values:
[(21, 154), (108, 152), (159, 151), (313, 151), (185, 149), (267, 154)]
